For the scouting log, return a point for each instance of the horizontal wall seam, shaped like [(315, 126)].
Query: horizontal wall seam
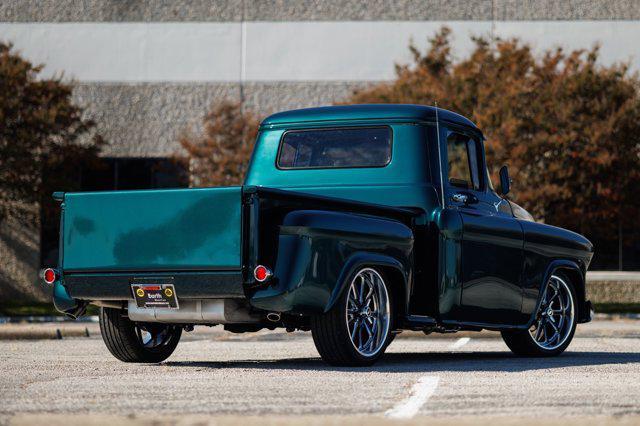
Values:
[(326, 10)]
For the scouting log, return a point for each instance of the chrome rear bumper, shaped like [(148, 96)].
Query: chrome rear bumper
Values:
[(198, 311)]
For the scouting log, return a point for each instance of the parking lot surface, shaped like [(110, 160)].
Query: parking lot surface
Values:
[(277, 378)]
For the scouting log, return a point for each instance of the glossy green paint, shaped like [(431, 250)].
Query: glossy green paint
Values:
[(318, 251), (61, 299), (405, 181), (547, 247), (352, 114), (483, 261), (195, 229), (449, 284)]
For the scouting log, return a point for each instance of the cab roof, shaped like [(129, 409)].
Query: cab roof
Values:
[(365, 112)]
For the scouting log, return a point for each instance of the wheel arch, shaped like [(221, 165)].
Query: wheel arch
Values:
[(391, 268), (576, 276), (577, 279)]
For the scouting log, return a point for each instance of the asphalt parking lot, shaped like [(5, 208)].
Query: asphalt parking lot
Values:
[(277, 378)]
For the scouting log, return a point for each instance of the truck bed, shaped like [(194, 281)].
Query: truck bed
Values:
[(203, 241)]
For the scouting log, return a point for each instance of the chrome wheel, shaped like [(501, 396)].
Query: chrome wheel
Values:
[(367, 312), (154, 336), (555, 317)]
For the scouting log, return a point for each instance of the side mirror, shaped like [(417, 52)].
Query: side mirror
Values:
[(505, 181)]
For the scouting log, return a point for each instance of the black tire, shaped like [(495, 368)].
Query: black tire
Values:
[(332, 336), (522, 343), (124, 338)]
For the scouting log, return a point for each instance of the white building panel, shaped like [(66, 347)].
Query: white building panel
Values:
[(345, 51), (281, 51), (619, 39), (131, 52)]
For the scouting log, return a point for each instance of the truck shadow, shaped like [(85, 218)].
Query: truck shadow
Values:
[(433, 362)]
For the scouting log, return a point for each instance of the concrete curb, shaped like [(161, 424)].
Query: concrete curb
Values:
[(47, 319), (630, 276), (51, 331), (617, 287), (610, 317)]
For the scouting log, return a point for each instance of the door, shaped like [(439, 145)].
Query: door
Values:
[(491, 255)]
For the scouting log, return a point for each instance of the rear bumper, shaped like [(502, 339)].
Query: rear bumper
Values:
[(188, 285)]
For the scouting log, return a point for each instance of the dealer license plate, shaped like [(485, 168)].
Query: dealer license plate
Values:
[(155, 295)]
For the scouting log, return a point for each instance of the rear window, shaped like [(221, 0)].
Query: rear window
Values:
[(335, 148)]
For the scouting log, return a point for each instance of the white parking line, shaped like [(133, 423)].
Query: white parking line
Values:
[(420, 393), (460, 342)]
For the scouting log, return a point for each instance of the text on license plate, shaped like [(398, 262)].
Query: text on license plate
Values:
[(155, 295)]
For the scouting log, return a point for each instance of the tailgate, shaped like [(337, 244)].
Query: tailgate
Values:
[(170, 230)]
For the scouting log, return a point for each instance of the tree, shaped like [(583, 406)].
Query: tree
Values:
[(568, 127), (40, 127), (220, 155)]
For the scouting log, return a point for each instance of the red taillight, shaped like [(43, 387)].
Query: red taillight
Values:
[(49, 275), (261, 273)]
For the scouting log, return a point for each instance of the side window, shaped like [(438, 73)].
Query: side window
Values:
[(463, 155)]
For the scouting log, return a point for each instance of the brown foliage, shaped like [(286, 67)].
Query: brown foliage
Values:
[(39, 127), (568, 127), (221, 154)]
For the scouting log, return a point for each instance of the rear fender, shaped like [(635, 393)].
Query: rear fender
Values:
[(71, 307), (317, 253)]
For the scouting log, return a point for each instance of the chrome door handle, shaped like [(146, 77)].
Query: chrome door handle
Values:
[(460, 198)]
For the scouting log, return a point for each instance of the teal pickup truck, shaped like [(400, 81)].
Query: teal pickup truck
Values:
[(354, 222)]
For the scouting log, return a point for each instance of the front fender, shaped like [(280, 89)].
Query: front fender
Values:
[(576, 275), (548, 248)]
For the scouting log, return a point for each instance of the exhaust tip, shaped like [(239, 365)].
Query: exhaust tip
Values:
[(273, 316)]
